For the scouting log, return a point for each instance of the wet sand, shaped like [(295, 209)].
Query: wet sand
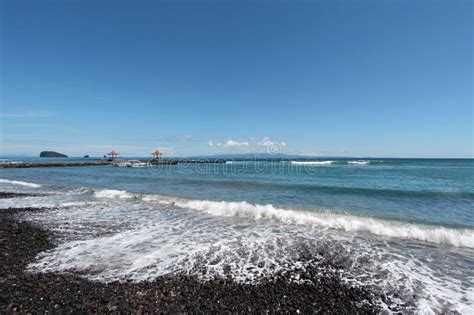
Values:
[(22, 292)]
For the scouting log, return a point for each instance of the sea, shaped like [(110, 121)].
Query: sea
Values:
[(400, 227)]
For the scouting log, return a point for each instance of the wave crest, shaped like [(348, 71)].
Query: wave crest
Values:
[(326, 220), (20, 183), (348, 223), (358, 162), (311, 162), (112, 193)]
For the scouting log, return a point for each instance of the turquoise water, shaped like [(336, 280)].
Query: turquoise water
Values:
[(411, 218), (429, 191)]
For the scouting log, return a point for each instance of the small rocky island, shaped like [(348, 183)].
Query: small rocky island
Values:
[(52, 154)]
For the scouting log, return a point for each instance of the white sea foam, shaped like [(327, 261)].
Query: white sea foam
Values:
[(48, 200), (348, 223), (311, 163), (439, 292), (20, 183), (112, 193), (119, 235), (171, 243), (359, 162), (138, 254), (316, 219)]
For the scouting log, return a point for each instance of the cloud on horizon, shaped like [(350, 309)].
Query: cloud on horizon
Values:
[(229, 143), (251, 146), (266, 142), (233, 143)]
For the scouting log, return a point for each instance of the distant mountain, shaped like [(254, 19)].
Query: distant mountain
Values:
[(52, 154)]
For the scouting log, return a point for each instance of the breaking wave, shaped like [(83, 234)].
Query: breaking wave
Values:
[(111, 235), (20, 183), (325, 220), (112, 193), (359, 162), (311, 162)]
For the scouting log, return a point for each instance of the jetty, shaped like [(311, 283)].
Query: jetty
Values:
[(110, 158), (104, 163)]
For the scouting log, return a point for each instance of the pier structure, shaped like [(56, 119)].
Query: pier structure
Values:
[(112, 155), (157, 155)]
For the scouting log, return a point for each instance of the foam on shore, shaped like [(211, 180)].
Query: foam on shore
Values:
[(325, 220), (116, 235), (20, 183), (311, 163)]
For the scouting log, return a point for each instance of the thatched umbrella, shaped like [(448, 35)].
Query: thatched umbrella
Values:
[(113, 154), (157, 154)]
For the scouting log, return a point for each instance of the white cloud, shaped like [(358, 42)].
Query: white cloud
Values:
[(266, 142), (233, 143), (251, 145)]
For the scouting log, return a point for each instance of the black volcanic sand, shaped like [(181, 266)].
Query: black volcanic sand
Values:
[(22, 292)]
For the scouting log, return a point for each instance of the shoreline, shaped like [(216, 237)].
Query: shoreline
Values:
[(21, 291)]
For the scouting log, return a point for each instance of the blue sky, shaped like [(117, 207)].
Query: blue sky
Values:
[(349, 78)]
